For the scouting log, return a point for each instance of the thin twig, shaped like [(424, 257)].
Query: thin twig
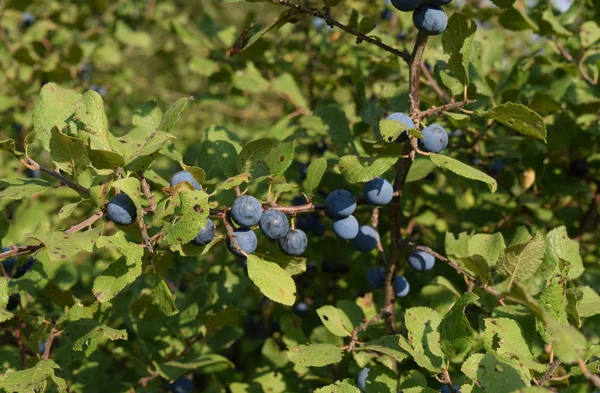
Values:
[(375, 225), (25, 250), (53, 333), (438, 109), (594, 379), (580, 66), (361, 328), (324, 14), (432, 82), (148, 194), (63, 180), (553, 366)]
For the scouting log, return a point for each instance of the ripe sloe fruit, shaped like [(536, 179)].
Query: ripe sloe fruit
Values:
[(294, 242), (435, 139), (182, 176), (366, 240), (274, 224), (246, 239), (32, 173), (378, 192), (206, 234), (181, 385), (401, 286), (340, 204), (402, 118), (430, 19), (27, 19), (578, 168), (407, 5), (361, 378), (346, 228), (446, 389), (301, 308), (246, 211), (375, 277), (421, 260), (121, 210)]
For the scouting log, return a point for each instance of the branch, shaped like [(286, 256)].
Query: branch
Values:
[(25, 250), (63, 180), (594, 379), (375, 225), (553, 366), (580, 66), (438, 109), (432, 82), (455, 266), (361, 328), (53, 333), (226, 219), (402, 168), (324, 14)]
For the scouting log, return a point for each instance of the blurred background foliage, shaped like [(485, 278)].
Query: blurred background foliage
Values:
[(132, 51)]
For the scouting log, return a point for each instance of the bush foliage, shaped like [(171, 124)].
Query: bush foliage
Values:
[(288, 101)]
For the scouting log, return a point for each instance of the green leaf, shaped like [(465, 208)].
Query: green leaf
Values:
[(169, 118), (132, 187), (490, 247), (390, 130), (90, 111), (519, 118), (292, 265), (505, 337), (68, 153), (503, 3), (366, 25), (279, 159), (148, 115), (336, 321), (273, 281), (590, 33), (456, 333), (152, 143), (423, 339), (174, 369), (477, 265), (9, 146), (563, 248), (363, 169), (33, 380), (521, 261), (447, 79), (456, 41), (233, 182), (386, 345), (88, 333), (338, 387), (568, 343), (115, 278), (420, 168), (21, 188), (494, 374), (463, 170), (287, 87), (164, 299), (53, 109), (62, 246), (127, 36), (190, 217), (315, 355), (314, 174), (551, 25), (338, 127), (103, 159), (583, 302), (3, 292), (253, 153)]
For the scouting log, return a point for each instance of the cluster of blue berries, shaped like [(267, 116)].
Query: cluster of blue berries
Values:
[(418, 260), (340, 204), (428, 16), (435, 137)]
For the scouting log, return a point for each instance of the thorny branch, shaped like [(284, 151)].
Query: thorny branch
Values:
[(361, 328), (31, 164), (325, 15)]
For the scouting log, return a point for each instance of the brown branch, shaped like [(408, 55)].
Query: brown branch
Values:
[(25, 250), (146, 239), (594, 379), (53, 333), (63, 180), (375, 225), (226, 219), (324, 14), (580, 66), (438, 109), (361, 328), (149, 195), (455, 266), (553, 366)]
